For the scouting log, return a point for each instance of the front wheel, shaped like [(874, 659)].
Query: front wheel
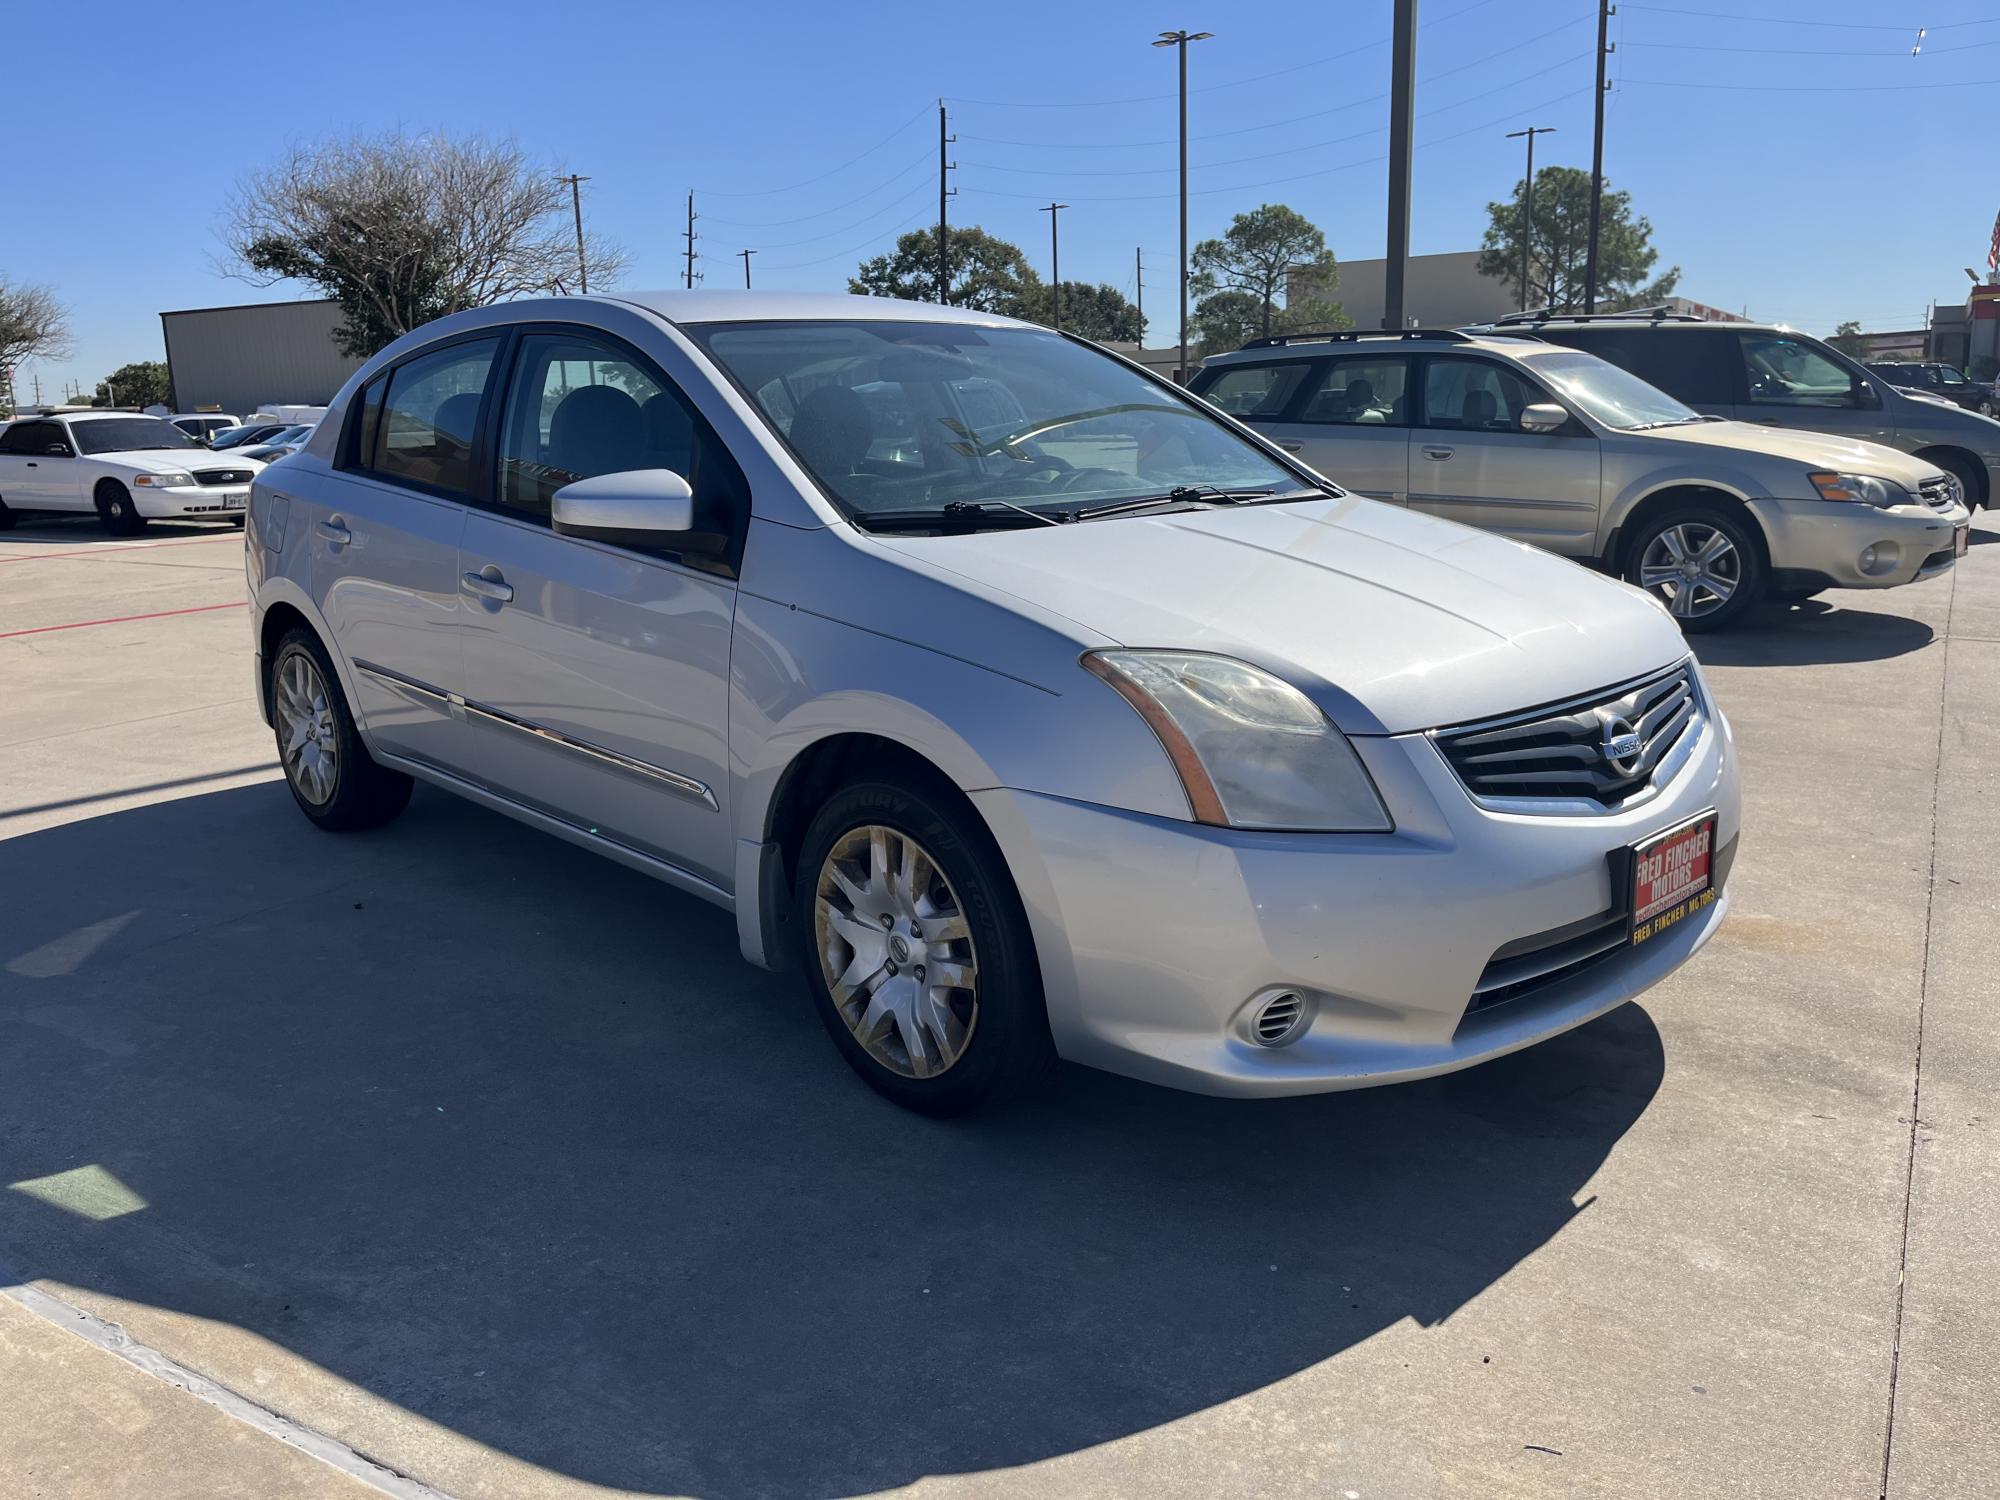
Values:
[(917, 951), (116, 510), (1701, 562)]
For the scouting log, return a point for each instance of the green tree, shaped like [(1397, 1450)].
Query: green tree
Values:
[(138, 385), (1228, 320), (1560, 246), (1094, 310), (1848, 340), (987, 272), (1256, 257)]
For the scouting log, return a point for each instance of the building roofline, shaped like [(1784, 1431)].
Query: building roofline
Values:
[(181, 312)]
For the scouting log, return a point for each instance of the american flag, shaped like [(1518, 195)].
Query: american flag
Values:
[(1993, 250)]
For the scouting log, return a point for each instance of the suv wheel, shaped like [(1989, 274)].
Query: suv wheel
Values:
[(917, 953), (333, 778), (1701, 562)]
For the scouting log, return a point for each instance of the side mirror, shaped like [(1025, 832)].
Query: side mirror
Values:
[(637, 508), (57, 450), (1543, 416)]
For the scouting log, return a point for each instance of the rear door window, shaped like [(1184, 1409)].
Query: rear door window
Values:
[(1256, 391), (1360, 393), (1782, 370), (430, 417)]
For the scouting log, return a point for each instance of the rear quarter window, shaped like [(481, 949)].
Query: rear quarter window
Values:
[(1692, 365)]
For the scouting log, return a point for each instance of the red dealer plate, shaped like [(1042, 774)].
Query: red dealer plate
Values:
[(1672, 876)]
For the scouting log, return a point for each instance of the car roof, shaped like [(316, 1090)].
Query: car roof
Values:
[(1320, 345), (752, 306)]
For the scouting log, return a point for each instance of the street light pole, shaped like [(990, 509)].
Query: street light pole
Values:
[(1402, 122), (1055, 265), (1604, 11), (1528, 201), (1181, 39)]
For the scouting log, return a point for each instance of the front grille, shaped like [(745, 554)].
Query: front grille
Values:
[(222, 476), (1939, 494), (1938, 559), (1572, 751)]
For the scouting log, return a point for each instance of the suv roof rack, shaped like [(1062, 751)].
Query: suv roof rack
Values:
[(1659, 314), (1352, 335)]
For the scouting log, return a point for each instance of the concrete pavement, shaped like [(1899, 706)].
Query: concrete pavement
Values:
[(493, 1163)]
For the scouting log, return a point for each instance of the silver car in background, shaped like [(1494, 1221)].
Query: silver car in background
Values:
[(1024, 704)]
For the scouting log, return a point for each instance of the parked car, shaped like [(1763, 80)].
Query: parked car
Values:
[(129, 469), (1556, 447), (1946, 382), (247, 435), (1778, 377), (279, 444), (203, 425), (1106, 730)]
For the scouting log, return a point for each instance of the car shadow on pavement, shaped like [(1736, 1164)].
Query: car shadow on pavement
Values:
[(1813, 633), (80, 530), (510, 1136)]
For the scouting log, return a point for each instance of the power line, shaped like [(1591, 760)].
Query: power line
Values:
[(874, 213), (1814, 88), (873, 239), (1810, 51), (829, 172), (1732, 15), (822, 213)]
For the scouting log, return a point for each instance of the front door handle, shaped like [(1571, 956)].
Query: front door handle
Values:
[(335, 531), (33, 465), (488, 584), (1437, 452), (1291, 447)]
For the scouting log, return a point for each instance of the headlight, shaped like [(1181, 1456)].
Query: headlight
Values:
[(1252, 751), (1865, 488), (176, 480)]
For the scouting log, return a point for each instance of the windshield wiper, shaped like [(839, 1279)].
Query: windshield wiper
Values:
[(1196, 494), (963, 515), (1675, 422)]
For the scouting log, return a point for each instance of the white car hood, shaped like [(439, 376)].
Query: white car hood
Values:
[(1816, 450), (170, 460), (1392, 620)]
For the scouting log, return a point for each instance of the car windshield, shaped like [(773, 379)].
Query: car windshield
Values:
[(1613, 395), (910, 417), (127, 434)]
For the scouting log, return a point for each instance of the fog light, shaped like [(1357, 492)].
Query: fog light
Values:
[(1279, 1019), (1868, 560)]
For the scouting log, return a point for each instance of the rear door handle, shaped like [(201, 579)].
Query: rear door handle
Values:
[(335, 531), (488, 584), (1430, 452), (1291, 447)]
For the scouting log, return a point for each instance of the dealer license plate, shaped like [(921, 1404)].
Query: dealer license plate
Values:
[(1673, 876)]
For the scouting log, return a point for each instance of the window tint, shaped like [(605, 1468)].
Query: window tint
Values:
[(1689, 365), (1475, 395), (1783, 370), (1361, 392), (1949, 375), (30, 437), (430, 415), (1256, 390), (579, 407), (128, 435)]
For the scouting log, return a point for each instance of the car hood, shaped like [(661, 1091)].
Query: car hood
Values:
[(167, 460), (1391, 620), (1816, 450)]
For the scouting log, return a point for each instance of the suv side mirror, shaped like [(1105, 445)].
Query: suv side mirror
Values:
[(636, 508), (1543, 416)]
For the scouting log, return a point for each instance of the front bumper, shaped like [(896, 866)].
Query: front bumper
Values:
[(1156, 937), (1830, 540), (203, 502)]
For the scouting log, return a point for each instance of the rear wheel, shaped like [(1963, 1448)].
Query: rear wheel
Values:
[(1701, 562), (7, 517), (115, 508), (917, 950), (333, 778)]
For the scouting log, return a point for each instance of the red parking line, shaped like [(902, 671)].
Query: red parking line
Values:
[(158, 614), (204, 541)]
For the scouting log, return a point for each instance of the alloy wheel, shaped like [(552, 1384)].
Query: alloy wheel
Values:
[(896, 951), (1694, 568), (311, 741)]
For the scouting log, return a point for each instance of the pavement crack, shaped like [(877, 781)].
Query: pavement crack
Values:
[(1915, 1120)]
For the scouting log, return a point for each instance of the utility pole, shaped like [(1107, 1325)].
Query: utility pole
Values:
[(1528, 201), (576, 206), (746, 254), (1055, 265), (1605, 10), (944, 244), (1402, 119), (1181, 39), (1139, 275), (689, 235)]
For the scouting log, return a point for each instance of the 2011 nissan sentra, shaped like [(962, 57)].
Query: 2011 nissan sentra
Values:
[(1029, 705)]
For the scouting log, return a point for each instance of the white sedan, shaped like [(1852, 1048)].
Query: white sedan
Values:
[(129, 469)]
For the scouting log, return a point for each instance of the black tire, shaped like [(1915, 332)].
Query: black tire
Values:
[(1749, 564), (115, 508), (1968, 482), (1009, 1050), (7, 517), (363, 794)]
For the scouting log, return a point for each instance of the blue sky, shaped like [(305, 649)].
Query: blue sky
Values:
[(1792, 155)]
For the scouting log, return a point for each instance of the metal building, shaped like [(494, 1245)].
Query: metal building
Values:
[(236, 359)]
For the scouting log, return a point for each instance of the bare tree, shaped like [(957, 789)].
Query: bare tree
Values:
[(400, 230), (33, 325)]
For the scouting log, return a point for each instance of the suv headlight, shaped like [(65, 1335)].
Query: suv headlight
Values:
[(1252, 751), (1864, 488), (177, 479)]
